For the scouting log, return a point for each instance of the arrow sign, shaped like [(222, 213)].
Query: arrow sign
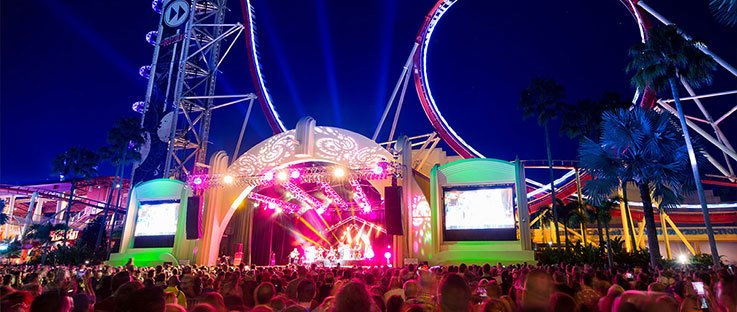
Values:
[(176, 13)]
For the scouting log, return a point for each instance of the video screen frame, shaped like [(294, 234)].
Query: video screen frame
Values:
[(154, 241), (495, 234)]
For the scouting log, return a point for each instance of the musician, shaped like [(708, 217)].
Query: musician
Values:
[(293, 256)]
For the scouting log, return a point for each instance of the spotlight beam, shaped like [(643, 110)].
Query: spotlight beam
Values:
[(313, 230)]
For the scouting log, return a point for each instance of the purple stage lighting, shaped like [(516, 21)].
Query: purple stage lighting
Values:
[(269, 176), (378, 169), (294, 174)]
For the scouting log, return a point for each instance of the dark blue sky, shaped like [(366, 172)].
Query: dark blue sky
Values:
[(69, 68)]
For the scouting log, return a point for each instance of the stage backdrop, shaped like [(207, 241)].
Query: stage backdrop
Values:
[(476, 210)]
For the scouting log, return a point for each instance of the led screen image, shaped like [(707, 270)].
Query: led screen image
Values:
[(479, 213), (479, 209), (156, 224)]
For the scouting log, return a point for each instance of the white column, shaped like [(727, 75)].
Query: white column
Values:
[(11, 217), (57, 217), (29, 215), (38, 211)]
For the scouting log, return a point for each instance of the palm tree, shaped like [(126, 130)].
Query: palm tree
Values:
[(601, 213), (543, 99), (577, 218), (596, 213), (725, 11), (75, 164), (124, 140), (583, 118), (564, 212), (658, 63), (42, 232), (546, 218), (641, 146)]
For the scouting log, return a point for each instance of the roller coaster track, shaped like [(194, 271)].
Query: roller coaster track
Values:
[(637, 9)]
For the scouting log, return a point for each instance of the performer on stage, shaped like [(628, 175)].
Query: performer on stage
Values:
[(293, 256)]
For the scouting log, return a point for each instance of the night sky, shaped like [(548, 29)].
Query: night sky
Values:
[(69, 69)]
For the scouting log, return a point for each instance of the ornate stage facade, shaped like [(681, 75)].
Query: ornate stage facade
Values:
[(326, 195)]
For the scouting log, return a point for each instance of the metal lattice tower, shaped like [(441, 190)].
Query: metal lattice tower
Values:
[(182, 78)]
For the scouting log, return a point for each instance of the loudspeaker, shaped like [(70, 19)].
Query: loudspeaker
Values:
[(194, 223), (393, 210)]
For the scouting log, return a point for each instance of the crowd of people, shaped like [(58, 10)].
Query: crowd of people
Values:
[(487, 288)]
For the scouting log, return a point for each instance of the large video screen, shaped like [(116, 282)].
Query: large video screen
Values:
[(156, 224), (479, 213)]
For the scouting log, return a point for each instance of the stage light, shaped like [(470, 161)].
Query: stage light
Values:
[(117, 185), (197, 181), (683, 259), (339, 172), (269, 176), (278, 210), (228, 179), (387, 255), (294, 174), (370, 253), (282, 176), (378, 169)]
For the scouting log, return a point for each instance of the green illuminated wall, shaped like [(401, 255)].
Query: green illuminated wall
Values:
[(475, 171), (183, 249)]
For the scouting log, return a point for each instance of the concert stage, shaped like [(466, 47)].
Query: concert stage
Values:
[(333, 194)]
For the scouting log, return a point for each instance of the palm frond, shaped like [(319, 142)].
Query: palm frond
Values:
[(724, 11)]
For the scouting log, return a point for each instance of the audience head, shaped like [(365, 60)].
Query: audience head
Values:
[(263, 293), (454, 295), (352, 297)]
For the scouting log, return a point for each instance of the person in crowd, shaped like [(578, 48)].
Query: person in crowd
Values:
[(263, 294), (172, 287), (415, 288), (353, 297), (454, 295), (306, 291)]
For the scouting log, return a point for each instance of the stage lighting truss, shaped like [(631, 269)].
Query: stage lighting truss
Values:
[(317, 174)]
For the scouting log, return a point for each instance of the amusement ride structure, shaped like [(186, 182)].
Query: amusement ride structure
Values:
[(539, 194), (181, 96)]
